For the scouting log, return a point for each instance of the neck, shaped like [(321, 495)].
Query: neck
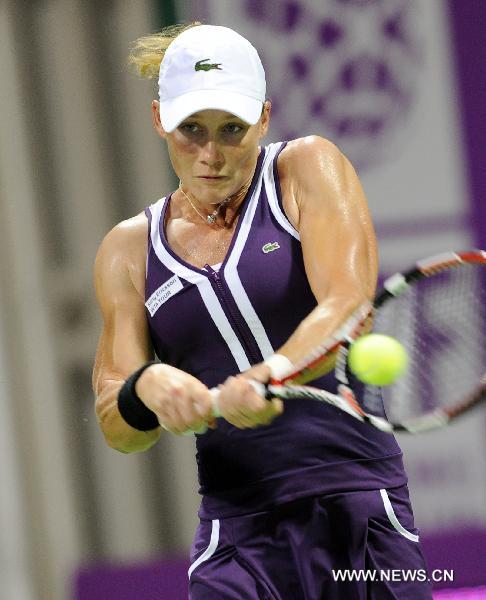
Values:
[(237, 198), (224, 212)]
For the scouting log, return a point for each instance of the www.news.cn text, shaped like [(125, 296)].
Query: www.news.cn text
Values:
[(393, 575)]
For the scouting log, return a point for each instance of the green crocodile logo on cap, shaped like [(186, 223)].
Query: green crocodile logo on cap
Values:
[(199, 66)]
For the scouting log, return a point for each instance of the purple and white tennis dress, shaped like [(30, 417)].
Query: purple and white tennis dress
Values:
[(316, 490)]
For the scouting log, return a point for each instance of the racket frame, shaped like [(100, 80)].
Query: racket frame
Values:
[(354, 327)]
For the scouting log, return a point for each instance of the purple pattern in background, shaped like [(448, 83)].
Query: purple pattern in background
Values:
[(347, 70), (468, 21)]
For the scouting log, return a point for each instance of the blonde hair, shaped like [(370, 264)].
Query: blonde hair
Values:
[(147, 52)]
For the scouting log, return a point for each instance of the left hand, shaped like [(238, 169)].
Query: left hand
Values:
[(242, 406)]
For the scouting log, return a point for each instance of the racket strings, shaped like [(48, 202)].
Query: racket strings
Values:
[(441, 321)]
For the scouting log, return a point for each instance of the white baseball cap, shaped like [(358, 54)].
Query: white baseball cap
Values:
[(209, 66)]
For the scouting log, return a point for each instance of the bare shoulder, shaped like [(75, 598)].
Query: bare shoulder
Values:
[(128, 233), (122, 255), (309, 144), (304, 164), (301, 156)]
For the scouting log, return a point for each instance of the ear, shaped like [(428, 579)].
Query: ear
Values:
[(265, 118), (156, 119)]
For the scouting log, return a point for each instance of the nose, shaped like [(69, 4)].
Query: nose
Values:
[(211, 155)]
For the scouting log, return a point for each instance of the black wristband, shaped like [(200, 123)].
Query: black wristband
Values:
[(132, 409)]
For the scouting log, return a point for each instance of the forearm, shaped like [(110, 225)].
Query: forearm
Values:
[(318, 326), (118, 434)]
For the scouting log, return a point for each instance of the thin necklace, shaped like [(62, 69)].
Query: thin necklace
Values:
[(210, 219)]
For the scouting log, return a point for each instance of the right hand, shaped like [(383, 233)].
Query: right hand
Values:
[(241, 404), (180, 401)]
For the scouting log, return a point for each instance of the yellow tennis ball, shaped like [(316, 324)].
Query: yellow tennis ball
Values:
[(377, 359)]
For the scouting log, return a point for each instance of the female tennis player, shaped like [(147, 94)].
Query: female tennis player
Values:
[(259, 254)]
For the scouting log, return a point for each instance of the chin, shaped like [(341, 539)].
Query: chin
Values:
[(214, 192)]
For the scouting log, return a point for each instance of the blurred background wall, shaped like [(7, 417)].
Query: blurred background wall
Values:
[(399, 85)]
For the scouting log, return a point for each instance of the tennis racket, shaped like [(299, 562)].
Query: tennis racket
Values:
[(437, 310)]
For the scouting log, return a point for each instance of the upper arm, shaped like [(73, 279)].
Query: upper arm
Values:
[(337, 235), (119, 271)]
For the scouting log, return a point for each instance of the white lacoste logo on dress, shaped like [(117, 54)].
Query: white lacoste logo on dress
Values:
[(163, 293), (270, 247)]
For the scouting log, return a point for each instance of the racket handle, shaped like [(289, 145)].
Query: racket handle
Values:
[(259, 389), (214, 401)]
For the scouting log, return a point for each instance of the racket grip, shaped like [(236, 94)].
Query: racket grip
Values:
[(214, 401), (259, 389)]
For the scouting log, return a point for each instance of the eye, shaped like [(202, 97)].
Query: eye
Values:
[(233, 128), (189, 128)]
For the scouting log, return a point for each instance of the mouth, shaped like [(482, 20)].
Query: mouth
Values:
[(211, 177)]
